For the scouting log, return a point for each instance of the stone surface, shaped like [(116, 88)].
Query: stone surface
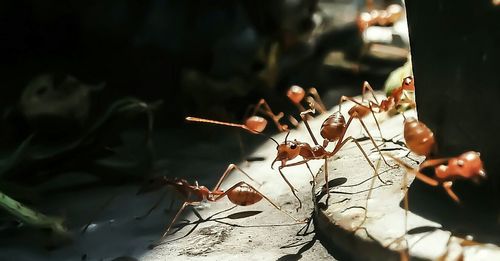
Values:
[(256, 232), (380, 236)]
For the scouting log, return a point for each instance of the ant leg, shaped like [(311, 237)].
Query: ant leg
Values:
[(327, 186), (310, 171), (406, 201), (184, 205), (239, 184), (300, 107), (303, 115), (171, 202), (241, 145), (294, 121), (447, 187), (433, 162), (242, 126), (347, 98), (367, 198), (373, 142), (340, 142), (295, 163), (420, 176), (315, 95), (350, 138), (267, 110), (229, 169), (368, 87), (370, 104), (291, 187)]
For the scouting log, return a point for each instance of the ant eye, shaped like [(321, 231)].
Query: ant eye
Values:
[(293, 146)]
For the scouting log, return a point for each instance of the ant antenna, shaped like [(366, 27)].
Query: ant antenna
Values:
[(404, 117), (286, 137), (271, 138)]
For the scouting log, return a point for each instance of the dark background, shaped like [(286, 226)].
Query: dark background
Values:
[(455, 54)]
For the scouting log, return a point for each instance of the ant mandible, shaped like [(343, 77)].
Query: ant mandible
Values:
[(254, 124), (240, 194)]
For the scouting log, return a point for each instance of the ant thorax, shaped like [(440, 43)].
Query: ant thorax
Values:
[(201, 193), (212, 195)]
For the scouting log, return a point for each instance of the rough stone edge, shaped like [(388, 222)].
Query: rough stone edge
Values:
[(355, 247)]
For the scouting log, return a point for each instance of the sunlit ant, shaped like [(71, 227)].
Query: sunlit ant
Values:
[(333, 129), (253, 123), (297, 95), (240, 194)]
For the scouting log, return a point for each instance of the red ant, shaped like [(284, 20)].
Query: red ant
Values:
[(241, 194), (420, 140), (254, 124), (296, 94), (333, 129), (394, 100)]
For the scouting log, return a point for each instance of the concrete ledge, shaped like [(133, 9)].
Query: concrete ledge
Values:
[(380, 236), (260, 232)]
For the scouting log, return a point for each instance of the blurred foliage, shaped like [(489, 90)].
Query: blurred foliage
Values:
[(396, 77), (31, 217), (90, 148)]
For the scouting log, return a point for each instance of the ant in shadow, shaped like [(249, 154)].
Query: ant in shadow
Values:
[(240, 194)]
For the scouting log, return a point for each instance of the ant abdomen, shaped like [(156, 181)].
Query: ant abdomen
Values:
[(333, 127), (296, 94), (358, 111), (256, 123), (243, 195), (419, 138)]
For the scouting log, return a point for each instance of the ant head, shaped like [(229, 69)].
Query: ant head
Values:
[(468, 165), (408, 84), (296, 94), (256, 123), (287, 150)]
